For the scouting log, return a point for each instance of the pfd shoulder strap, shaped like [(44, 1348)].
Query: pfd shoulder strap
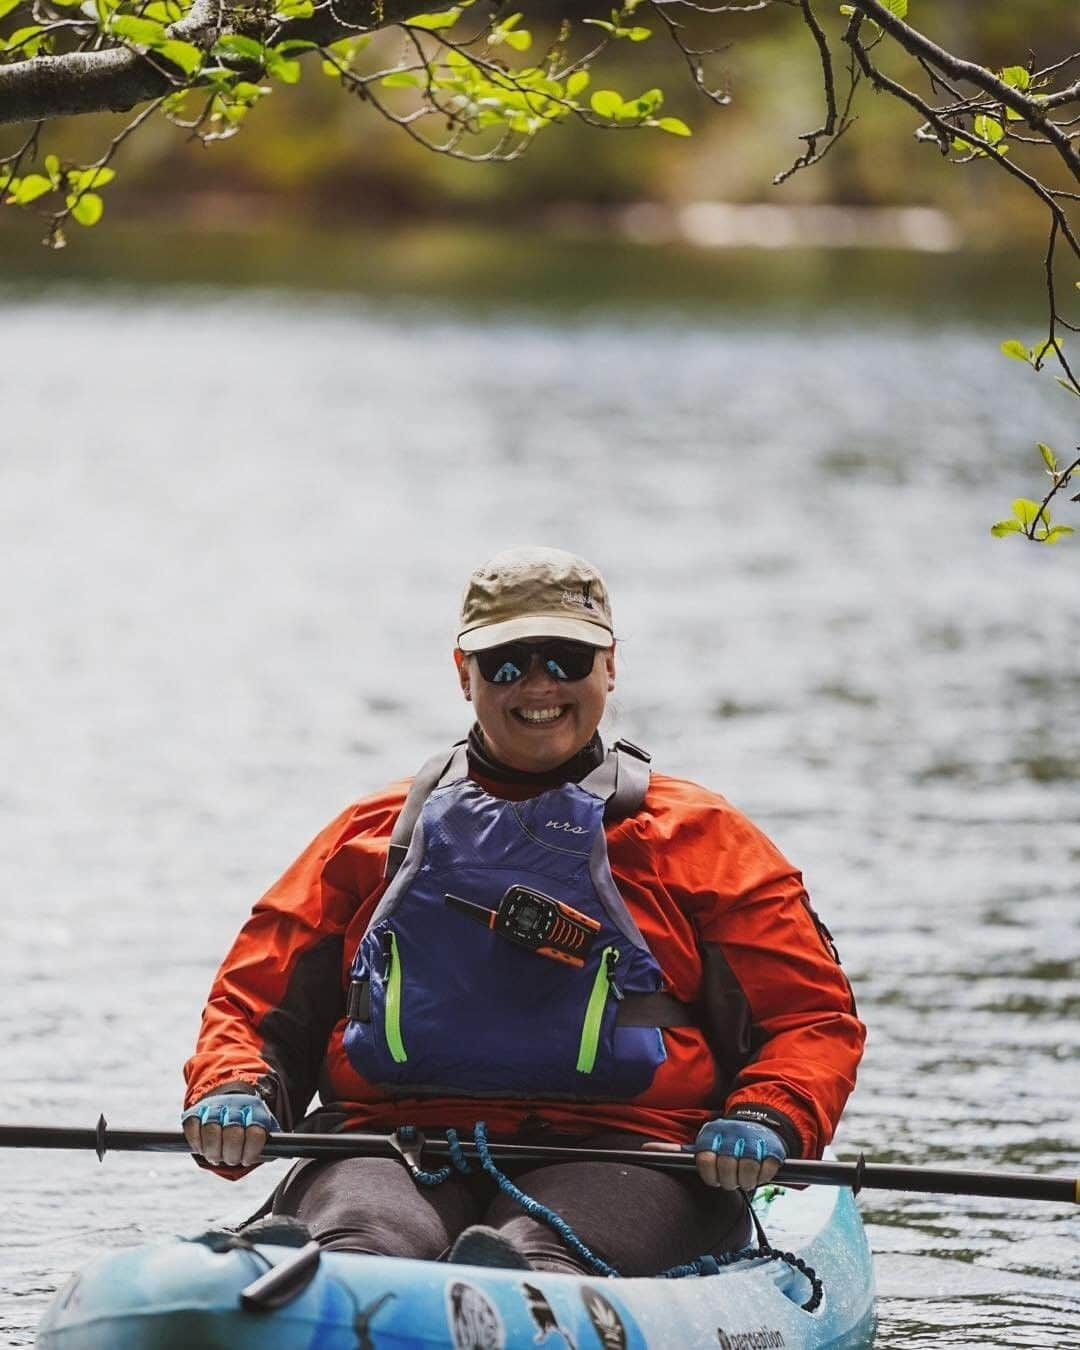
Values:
[(621, 781), (439, 769)]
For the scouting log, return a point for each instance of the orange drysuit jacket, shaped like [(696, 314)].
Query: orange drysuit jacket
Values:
[(724, 913)]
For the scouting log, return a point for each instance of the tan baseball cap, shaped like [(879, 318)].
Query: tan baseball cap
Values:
[(534, 593)]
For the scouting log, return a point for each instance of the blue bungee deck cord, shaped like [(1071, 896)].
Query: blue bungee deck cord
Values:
[(706, 1264), (534, 1208)]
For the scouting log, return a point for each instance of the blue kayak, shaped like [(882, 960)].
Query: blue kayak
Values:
[(185, 1295)]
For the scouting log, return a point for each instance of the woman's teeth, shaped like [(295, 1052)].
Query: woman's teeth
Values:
[(539, 714)]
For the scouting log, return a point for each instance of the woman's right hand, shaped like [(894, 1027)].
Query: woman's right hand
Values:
[(229, 1128)]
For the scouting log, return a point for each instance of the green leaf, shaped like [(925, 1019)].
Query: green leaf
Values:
[(636, 34), (989, 129), (282, 68), (184, 55), (294, 9), (606, 103), (601, 23), (142, 31), (1004, 527), (433, 22), (86, 209), (52, 168), (164, 12), (345, 48), (237, 46), (1056, 533), (580, 81), (29, 40), (1016, 77), (1048, 456), (246, 92), (231, 110), (521, 40), (401, 79), (161, 11), (1025, 511), (1016, 350), (29, 189), (83, 180), (897, 7), (675, 126), (6, 6)]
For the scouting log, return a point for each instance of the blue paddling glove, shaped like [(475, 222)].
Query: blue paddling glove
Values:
[(232, 1108), (738, 1139), (741, 1149), (226, 1130)]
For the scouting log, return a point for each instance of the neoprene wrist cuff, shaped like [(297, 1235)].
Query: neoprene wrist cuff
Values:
[(760, 1114)]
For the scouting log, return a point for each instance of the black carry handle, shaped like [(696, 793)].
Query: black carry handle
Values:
[(283, 1282)]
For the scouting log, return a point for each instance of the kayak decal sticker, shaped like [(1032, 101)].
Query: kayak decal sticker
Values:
[(761, 1338), (605, 1318), (474, 1320), (363, 1321), (543, 1316)]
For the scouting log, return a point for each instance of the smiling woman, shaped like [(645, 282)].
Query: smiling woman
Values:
[(538, 702), (546, 935)]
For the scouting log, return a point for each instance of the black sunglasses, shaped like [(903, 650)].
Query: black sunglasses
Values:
[(562, 660)]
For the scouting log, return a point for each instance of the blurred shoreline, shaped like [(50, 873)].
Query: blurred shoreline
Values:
[(804, 260)]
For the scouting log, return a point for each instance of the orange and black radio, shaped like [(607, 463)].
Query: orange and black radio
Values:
[(530, 919)]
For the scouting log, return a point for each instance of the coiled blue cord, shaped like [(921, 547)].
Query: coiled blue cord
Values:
[(706, 1264)]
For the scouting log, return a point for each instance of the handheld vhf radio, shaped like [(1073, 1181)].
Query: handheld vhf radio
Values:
[(537, 922)]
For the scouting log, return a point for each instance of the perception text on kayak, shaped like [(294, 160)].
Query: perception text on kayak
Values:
[(762, 1338)]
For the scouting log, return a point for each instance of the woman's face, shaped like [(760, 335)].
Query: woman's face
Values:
[(538, 722)]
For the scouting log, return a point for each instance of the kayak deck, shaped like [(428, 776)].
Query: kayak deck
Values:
[(176, 1295)]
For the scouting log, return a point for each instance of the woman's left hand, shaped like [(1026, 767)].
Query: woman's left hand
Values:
[(734, 1155)]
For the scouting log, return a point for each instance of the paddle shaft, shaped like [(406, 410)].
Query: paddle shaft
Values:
[(859, 1175)]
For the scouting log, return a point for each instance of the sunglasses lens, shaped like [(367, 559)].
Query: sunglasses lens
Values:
[(504, 665), (569, 660), (507, 672), (563, 661)]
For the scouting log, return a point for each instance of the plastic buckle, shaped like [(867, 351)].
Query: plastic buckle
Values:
[(409, 1143), (632, 749)]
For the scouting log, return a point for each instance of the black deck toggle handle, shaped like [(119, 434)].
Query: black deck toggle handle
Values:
[(283, 1282)]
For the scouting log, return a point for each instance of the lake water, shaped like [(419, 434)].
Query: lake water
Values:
[(234, 530)]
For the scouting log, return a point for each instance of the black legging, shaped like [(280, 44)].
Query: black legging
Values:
[(638, 1219)]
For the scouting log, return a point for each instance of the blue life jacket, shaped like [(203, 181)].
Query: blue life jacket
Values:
[(501, 955)]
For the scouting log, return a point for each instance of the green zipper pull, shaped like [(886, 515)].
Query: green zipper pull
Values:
[(603, 985), (392, 1011)]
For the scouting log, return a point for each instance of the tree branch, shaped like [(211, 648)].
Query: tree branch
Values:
[(917, 44), (117, 78)]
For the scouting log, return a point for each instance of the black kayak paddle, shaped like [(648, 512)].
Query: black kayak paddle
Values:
[(860, 1175)]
